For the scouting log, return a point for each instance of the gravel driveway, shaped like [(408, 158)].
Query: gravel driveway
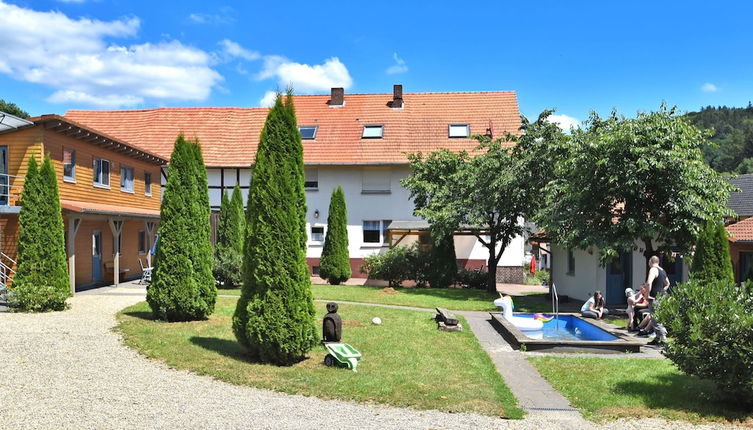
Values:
[(69, 370)]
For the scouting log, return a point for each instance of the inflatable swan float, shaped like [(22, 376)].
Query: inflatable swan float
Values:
[(524, 324)]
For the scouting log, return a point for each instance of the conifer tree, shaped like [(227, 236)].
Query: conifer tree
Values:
[(230, 230), (711, 261), (334, 265), (183, 288), (41, 282), (274, 317)]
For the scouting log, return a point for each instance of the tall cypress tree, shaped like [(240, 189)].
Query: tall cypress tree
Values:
[(334, 265), (274, 317), (41, 282), (230, 230), (711, 260), (183, 288)]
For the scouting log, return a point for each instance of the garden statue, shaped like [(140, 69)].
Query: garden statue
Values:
[(332, 326)]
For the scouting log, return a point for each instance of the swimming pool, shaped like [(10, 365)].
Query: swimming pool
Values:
[(569, 333)]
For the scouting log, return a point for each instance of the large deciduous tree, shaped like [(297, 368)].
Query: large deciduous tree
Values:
[(41, 282), (486, 192), (334, 265), (618, 180), (274, 317), (183, 287)]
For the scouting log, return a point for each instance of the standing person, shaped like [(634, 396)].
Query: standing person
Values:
[(594, 307), (659, 284)]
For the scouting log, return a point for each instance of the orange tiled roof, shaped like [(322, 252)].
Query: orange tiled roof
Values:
[(741, 231), (106, 209), (229, 136)]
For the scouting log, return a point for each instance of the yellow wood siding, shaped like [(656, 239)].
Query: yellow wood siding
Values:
[(22, 145)]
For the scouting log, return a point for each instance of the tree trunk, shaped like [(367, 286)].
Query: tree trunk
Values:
[(491, 280)]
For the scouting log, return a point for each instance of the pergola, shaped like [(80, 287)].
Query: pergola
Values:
[(399, 230)]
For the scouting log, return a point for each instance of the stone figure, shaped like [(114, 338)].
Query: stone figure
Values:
[(332, 326)]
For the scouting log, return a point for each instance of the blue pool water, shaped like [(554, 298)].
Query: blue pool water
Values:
[(568, 328)]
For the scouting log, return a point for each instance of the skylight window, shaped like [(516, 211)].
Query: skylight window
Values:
[(373, 131), (459, 130), (308, 132)]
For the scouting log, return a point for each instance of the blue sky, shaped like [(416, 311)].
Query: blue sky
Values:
[(572, 56)]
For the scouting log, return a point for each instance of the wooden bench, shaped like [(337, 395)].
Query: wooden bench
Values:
[(110, 272), (447, 321)]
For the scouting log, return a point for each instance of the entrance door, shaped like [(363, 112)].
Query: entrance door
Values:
[(4, 175), (619, 277), (673, 269), (746, 258), (96, 256)]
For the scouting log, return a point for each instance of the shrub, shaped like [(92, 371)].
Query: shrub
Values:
[(334, 265), (474, 278), (710, 324), (711, 260), (393, 266), (41, 282), (183, 287), (274, 318), (539, 278)]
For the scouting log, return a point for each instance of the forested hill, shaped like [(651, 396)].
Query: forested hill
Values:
[(733, 136)]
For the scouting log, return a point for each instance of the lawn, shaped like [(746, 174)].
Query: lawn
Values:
[(459, 299), (406, 360), (609, 388)]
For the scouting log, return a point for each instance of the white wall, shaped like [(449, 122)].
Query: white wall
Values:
[(588, 277)]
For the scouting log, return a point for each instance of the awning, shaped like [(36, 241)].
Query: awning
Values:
[(10, 122), (108, 210), (421, 225)]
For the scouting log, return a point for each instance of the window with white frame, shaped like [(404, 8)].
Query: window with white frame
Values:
[(142, 242), (459, 130), (126, 179), (373, 131), (308, 132), (317, 233), (101, 173), (147, 183), (376, 180), (312, 179), (375, 231), (69, 165)]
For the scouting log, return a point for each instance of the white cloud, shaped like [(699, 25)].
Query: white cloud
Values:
[(225, 16), (269, 99), (398, 67), (232, 49), (306, 78), (564, 122), (81, 66), (708, 87)]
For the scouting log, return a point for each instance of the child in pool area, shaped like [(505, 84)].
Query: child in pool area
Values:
[(635, 301), (594, 307)]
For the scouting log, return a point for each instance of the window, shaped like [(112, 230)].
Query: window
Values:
[(459, 130), (147, 183), (375, 231), (376, 180), (69, 165), (101, 173), (373, 131), (308, 132), (317, 234), (126, 179), (312, 179), (570, 262), (142, 242)]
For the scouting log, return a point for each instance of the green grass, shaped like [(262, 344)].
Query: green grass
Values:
[(406, 361), (620, 322), (458, 299), (609, 388)]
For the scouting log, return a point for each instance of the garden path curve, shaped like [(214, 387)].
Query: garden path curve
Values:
[(70, 370)]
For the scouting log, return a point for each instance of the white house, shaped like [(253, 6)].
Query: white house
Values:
[(359, 141)]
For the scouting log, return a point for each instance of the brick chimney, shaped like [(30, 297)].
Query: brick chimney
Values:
[(397, 96), (338, 97)]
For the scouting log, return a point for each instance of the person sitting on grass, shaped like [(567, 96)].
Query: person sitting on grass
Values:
[(594, 307), (635, 301)]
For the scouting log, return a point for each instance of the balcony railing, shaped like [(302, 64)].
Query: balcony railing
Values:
[(10, 192), (6, 274)]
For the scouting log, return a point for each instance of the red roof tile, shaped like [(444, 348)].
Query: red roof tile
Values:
[(741, 231), (229, 136)]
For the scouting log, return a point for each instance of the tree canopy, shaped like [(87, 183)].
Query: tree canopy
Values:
[(618, 180), (12, 109), (730, 147)]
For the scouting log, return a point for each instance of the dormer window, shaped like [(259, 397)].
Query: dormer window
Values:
[(373, 131), (308, 132), (459, 130)]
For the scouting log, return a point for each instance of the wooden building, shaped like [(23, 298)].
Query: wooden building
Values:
[(109, 192)]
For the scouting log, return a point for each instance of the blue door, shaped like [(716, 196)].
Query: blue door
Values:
[(619, 277), (4, 175), (96, 256), (673, 267)]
